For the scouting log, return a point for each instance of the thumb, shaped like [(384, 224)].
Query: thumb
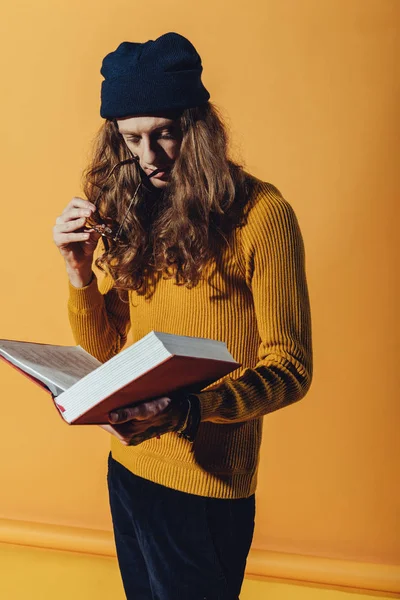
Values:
[(94, 237), (89, 246), (140, 412), (120, 416)]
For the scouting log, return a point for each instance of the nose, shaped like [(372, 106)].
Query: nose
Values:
[(148, 153)]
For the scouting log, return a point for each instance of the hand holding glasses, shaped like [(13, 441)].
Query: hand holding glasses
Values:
[(77, 230)]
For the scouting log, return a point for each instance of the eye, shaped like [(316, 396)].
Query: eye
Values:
[(165, 135)]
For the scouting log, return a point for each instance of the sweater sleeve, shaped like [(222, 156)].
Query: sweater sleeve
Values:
[(99, 319), (273, 257)]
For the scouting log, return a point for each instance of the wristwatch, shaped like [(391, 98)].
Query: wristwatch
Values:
[(191, 415)]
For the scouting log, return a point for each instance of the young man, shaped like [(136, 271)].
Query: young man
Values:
[(193, 245)]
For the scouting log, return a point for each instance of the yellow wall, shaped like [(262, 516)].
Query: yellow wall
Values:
[(311, 93)]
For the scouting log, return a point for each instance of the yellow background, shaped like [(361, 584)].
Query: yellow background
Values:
[(311, 94)]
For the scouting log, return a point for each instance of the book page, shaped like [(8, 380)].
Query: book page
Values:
[(61, 366)]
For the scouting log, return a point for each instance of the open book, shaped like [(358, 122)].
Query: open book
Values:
[(85, 390)]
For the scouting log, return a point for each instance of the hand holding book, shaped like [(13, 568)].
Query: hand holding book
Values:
[(135, 424), (151, 383)]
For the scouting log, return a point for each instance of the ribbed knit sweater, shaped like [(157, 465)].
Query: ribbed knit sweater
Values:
[(255, 298)]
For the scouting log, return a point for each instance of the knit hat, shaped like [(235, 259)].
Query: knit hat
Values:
[(156, 76)]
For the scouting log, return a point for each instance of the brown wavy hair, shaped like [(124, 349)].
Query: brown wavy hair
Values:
[(176, 231)]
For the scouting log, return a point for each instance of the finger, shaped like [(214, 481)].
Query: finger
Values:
[(94, 235), (149, 410), (63, 239), (134, 432), (137, 436), (141, 412), (68, 226), (77, 202), (74, 213)]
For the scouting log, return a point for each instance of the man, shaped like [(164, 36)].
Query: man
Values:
[(193, 245)]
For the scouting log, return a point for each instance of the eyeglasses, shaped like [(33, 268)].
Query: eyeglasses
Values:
[(106, 226)]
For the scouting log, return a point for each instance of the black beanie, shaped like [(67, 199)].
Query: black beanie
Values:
[(156, 76)]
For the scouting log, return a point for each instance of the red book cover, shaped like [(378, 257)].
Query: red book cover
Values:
[(175, 373)]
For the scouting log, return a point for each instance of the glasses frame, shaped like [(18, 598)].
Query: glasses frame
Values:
[(103, 226)]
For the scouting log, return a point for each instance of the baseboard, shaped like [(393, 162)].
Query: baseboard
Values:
[(260, 563)]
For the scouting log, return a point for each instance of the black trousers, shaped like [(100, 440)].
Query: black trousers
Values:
[(177, 546)]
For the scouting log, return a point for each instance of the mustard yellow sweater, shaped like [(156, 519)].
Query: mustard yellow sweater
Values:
[(255, 298)]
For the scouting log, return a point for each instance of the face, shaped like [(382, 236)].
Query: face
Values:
[(156, 141)]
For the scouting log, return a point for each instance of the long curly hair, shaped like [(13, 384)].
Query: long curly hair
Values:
[(173, 232)]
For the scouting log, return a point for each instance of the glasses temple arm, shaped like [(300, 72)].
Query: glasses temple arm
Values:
[(127, 211)]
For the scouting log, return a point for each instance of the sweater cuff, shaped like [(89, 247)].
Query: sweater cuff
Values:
[(84, 298), (207, 402)]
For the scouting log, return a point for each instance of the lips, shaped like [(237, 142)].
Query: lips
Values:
[(159, 172)]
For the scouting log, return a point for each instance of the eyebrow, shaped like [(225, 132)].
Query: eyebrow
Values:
[(166, 126)]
